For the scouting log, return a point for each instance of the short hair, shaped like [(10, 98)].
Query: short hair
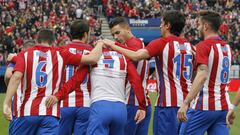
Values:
[(118, 21), (28, 44), (46, 36), (176, 19), (212, 18), (78, 28)]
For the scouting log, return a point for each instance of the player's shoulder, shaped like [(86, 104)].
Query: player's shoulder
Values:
[(159, 41), (79, 46)]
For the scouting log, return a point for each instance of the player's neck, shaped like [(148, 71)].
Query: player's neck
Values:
[(44, 44), (211, 34), (167, 34), (77, 40), (129, 36)]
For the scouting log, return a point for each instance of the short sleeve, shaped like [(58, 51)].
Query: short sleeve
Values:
[(202, 53), (155, 47), (20, 65), (70, 58)]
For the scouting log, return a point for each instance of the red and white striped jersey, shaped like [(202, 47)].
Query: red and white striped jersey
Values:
[(142, 69), (80, 97), (42, 69), (174, 68), (216, 54)]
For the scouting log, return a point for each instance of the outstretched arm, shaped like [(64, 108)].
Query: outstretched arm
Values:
[(133, 55), (94, 55)]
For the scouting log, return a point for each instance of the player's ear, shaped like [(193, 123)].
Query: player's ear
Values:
[(205, 26), (168, 25)]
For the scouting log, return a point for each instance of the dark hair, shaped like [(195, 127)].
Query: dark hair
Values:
[(46, 36), (176, 19), (212, 18), (118, 21), (78, 28), (28, 44)]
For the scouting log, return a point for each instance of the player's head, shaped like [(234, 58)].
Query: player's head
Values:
[(208, 22), (172, 22), (80, 30), (28, 44), (120, 29), (46, 36)]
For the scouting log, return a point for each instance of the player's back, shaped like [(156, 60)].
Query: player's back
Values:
[(216, 54), (174, 68), (42, 68), (80, 96), (108, 77)]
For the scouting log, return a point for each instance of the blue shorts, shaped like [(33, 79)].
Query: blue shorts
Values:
[(132, 128), (11, 125), (199, 122), (107, 118), (74, 120), (165, 121), (35, 125)]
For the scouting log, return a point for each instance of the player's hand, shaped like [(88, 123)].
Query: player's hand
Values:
[(7, 111), (182, 113), (108, 42), (50, 101), (230, 118), (140, 115), (10, 56), (99, 42)]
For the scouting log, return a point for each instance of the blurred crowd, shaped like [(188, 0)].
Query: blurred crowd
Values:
[(21, 19)]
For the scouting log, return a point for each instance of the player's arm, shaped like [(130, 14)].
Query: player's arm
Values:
[(231, 113), (133, 55), (94, 55), (11, 90), (8, 73), (11, 59), (136, 83), (12, 87), (201, 76), (68, 87)]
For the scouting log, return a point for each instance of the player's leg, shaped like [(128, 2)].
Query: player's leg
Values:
[(67, 120), (142, 128), (99, 118), (198, 122), (49, 126), (27, 125), (220, 126), (165, 121), (131, 127), (81, 122), (119, 118)]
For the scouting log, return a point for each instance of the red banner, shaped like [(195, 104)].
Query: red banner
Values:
[(234, 85)]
